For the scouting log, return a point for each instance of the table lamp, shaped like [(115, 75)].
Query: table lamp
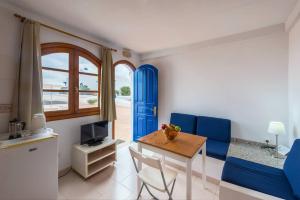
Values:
[(276, 128)]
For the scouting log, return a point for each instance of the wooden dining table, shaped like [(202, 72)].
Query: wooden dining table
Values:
[(185, 148)]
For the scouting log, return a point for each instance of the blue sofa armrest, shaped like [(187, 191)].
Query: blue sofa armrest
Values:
[(291, 168), (217, 149)]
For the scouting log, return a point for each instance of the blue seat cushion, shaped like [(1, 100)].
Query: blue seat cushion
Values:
[(291, 168), (214, 128), (186, 122), (217, 149), (262, 178)]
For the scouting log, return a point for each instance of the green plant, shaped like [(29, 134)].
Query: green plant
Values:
[(83, 87), (92, 101), (117, 92), (125, 91)]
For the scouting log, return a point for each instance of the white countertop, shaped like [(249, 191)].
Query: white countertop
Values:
[(25, 140)]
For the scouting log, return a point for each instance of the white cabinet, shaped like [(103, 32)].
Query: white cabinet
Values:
[(29, 170), (88, 160)]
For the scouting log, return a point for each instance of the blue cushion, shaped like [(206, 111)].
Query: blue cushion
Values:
[(217, 149), (291, 168), (214, 128), (262, 178), (186, 122)]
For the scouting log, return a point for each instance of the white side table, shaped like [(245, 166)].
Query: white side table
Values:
[(89, 160)]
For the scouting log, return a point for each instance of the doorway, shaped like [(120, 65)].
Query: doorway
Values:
[(122, 127)]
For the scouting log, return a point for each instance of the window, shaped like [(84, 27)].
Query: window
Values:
[(71, 77)]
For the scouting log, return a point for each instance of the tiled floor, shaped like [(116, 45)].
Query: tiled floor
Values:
[(119, 182)]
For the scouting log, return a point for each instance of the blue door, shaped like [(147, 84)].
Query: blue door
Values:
[(145, 101)]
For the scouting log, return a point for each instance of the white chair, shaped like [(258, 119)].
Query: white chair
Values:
[(154, 175)]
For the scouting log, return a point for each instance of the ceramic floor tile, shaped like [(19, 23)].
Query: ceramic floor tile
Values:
[(198, 183), (79, 190), (126, 165), (117, 173), (179, 190), (116, 191), (198, 193), (119, 182), (130, 182), (124, 159), (144, 196), (121, 158), (124, 150)]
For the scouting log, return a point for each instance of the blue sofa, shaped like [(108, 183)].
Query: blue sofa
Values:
[(217, 131), (282, 183), (187, 123)]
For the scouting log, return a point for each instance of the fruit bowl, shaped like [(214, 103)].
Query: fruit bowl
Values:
[(171, 135), (171, 131)]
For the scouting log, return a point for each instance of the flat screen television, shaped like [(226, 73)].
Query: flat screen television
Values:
[(94, 133)]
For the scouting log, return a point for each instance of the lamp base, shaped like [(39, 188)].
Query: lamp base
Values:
[(267, 146), (277, 156)]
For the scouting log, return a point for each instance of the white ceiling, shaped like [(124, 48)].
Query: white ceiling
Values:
[(150, 25)]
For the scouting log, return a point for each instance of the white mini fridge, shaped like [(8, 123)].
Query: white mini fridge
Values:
[(29, 169)]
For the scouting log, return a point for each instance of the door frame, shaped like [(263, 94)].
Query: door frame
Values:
[(133, 68)]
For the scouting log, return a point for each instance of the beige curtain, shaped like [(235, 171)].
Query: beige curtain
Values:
[(108, 108), (28, 89)]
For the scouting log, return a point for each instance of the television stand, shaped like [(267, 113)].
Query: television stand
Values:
[(96, 143), (89, 160)]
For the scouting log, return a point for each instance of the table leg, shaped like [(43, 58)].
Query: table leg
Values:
[(163, 160), (189, 179), (139, 166), (204, 165)]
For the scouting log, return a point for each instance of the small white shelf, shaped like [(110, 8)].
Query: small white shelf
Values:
[(100, 154), (99, 165), (88, 161)]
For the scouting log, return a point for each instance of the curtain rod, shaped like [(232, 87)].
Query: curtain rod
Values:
[(66, 33)]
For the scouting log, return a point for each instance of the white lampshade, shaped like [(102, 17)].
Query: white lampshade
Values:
[(276, 128), (38, 122)]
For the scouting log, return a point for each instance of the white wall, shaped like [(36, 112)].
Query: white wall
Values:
[(9, 49), (244, 80), (294, 81), (68, 130)]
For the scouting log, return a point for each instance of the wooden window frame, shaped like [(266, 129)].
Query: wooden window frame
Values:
[(74, 52)]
